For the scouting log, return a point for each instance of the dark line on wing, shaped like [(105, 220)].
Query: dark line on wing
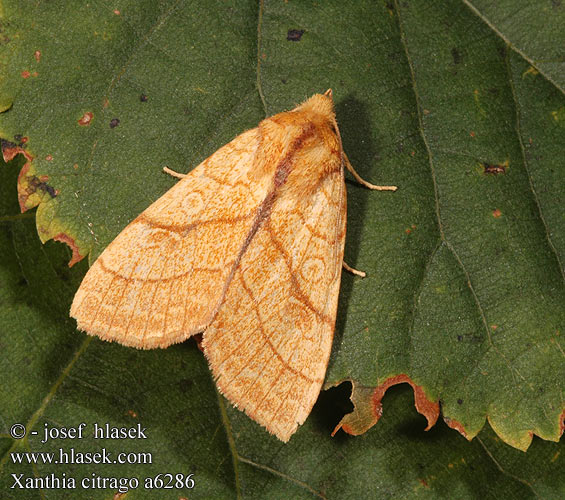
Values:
[(160, 280), (186, 228)]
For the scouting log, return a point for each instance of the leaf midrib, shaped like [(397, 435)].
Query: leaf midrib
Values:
[(520, 52)]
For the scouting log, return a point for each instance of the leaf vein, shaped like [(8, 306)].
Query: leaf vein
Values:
[(281, 474)]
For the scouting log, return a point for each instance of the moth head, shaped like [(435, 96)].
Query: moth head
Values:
[(321, 105)]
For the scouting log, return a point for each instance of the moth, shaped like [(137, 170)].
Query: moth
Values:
[(248, 249)]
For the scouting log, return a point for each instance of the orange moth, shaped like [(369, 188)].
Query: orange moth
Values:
[(248, 249)]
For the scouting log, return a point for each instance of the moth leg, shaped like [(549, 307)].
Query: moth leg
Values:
[(167, 170), (354, 271), (362, 181)]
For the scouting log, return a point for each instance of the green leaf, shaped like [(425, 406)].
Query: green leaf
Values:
[(532, 29), (475, 314), (464, 297)]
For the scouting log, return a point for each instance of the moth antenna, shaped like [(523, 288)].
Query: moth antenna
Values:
[(354, 271), (167, 170)]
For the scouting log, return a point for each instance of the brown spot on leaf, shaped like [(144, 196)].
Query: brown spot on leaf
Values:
[(33, 189), (368, 406), (132, 413), (85, 119), (117, 12), (26, 74), (472, 134), (65, 238), (143, 98), (494, 169), (114, 122), (294, 35), (49, 158), (10, 150), (37, 55), (42, 184), (496, 213), (424, 483)]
